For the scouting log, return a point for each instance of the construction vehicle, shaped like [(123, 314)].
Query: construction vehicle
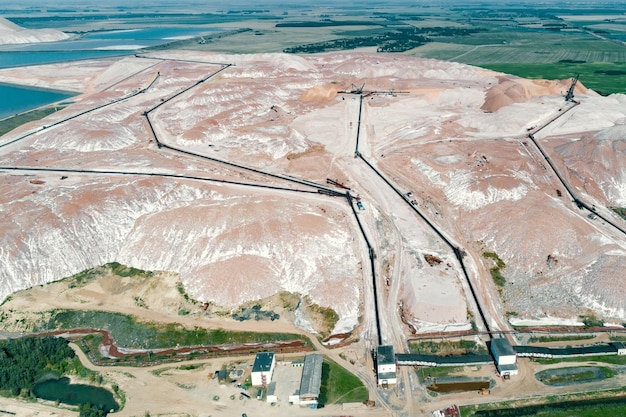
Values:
[(570, 93), (354, 90)]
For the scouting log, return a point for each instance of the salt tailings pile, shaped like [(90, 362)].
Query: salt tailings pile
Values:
[(454, 136)]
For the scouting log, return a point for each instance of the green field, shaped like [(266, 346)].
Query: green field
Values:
[(534, 40), (564, 338), (612, 359), (427, 374), (615, 406), (448, 347), (602, 77), (10, 123), (340, 386)]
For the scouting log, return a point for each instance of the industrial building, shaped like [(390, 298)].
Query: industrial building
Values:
[(263, 368), (311, 380), (386, 365), (504, 356), (271, 397)]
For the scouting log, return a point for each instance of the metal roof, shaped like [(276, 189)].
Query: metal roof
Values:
[(604, 349), (385, 356), (502, 347), (311, 375), (263, 362), (271, 388)]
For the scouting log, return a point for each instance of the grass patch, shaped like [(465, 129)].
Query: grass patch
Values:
[(115, 268), (611, 359), (547, 339), (492, 255), (132, 333), (191, 367), (127, 271), (427, 375), (620, 211), (602, 77), (496, 271), (448, 347), (11, 123), (326, 316), (577, 405), (181, 290), (340, 386), (590, 320)]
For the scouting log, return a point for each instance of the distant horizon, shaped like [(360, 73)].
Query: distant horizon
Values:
[(35, 4)]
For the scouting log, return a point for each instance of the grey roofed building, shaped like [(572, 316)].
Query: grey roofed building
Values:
[(502, 347), (270, 396), (311, 377), (547, 352)]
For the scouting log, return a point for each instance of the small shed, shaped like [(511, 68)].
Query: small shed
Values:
[(221, 375), (271, 393)]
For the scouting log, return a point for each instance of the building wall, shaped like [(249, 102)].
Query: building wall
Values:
[(389, 381), (386, 368), (510, 372), (506, 360), (257, 378), (307, 401)]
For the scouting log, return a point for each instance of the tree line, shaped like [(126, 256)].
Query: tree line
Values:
[(23, 361), (398, 40)]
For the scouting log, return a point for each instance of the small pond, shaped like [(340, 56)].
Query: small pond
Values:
[(573, 375), (75, 394), (445, 387)]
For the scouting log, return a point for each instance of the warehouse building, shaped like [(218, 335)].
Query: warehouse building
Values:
[(311, 380), (263, 369)]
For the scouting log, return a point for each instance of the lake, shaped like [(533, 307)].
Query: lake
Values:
[(25, 58), (93, 45), (75, 394), (18, 99), (99, 44)]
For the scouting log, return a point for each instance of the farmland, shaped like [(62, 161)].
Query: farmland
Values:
[(539, 41)]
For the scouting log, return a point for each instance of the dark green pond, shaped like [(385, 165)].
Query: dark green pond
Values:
[(75, 394)]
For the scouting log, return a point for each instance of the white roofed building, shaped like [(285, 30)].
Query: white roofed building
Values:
[(504, 356), (386, 365)]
